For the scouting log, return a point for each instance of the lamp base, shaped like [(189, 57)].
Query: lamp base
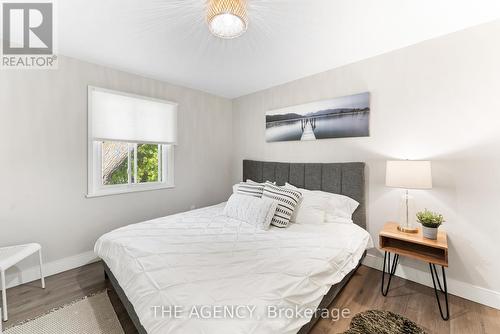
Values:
[(407, 217), (407, 230)]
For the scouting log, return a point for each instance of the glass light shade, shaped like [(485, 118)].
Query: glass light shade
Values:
[(227, 18)]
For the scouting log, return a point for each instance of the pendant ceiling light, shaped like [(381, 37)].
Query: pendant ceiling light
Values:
[(227, 18)]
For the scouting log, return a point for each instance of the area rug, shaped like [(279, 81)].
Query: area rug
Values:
[(382, 322), (91, 315)]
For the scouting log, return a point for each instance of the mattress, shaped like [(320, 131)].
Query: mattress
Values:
[(202, 272)]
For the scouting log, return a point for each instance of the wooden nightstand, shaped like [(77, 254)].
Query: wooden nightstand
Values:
[(415, 246)]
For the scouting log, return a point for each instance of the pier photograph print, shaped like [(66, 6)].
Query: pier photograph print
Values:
[(347, 116)]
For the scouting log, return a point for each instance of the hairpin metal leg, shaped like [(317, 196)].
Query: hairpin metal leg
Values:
[(391, 269), (432, 267)]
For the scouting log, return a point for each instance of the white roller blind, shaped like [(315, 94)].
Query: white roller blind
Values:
[(124, 117)]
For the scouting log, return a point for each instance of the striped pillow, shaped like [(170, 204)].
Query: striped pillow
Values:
[(250, 189), (253, 182), (287, 201)]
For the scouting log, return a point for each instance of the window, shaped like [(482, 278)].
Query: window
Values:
[(130, 163), (131, 143)]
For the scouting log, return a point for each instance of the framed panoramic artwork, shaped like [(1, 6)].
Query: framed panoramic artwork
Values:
[(347, 116)]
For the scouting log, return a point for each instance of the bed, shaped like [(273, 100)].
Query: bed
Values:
[(202, 258)]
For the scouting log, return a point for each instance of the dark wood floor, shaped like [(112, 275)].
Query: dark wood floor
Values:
[(412, 300)]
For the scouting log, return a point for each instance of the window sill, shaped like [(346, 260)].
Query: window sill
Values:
[(125, 190)]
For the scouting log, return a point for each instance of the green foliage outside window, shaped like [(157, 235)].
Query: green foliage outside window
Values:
[(147, 163), (119, 175), (147, 166)]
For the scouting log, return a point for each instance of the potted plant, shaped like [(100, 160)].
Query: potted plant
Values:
[(430, 222)]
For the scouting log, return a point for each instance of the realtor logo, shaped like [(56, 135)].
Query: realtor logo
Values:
[(28, 35)]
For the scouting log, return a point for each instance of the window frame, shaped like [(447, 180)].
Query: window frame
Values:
[(95, 188)]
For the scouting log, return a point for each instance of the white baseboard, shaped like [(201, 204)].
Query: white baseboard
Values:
[(14, 278), (465, 290)]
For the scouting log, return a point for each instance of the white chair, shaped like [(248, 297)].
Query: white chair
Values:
[(12, 255)]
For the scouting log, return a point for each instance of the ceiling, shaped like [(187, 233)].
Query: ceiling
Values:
[(286, 39)]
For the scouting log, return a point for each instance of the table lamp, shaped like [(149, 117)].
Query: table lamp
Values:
[(408, 174)]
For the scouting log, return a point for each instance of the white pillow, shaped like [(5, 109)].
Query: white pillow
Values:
[(311, 208), (338, 208), (256, 211)]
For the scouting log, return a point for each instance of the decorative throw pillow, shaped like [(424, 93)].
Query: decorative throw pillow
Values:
[(250, 189), (253, 182), (287, 201), (253, 210)]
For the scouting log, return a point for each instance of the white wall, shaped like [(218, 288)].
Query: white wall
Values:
[(43, 147), (436, 100)]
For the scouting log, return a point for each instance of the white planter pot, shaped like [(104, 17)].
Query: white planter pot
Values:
[(430, 232)]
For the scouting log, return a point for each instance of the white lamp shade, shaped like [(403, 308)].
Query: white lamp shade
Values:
[(123, 117), (409, 174)]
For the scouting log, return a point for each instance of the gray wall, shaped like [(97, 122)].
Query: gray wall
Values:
[(436, 100), (43, 131)]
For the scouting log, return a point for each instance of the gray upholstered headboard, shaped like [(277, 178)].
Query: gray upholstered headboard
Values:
[(341, 178)]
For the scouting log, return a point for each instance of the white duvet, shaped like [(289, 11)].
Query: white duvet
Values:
[(201, 272)]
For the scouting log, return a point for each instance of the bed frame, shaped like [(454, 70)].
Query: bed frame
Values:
[(340, 178)]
